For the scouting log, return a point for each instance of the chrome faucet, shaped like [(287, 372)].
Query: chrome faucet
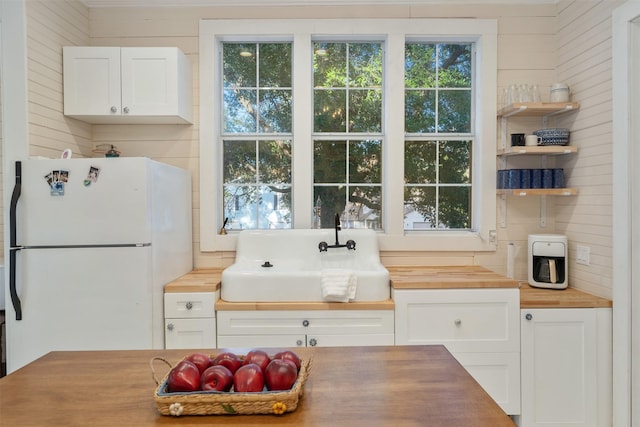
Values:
[(351, 244)]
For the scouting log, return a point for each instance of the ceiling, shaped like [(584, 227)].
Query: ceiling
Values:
[(185, 3)]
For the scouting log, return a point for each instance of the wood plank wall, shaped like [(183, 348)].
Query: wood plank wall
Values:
[(531, 41), (583, 55)]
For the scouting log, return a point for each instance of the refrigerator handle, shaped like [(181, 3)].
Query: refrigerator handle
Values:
[(14, 248)]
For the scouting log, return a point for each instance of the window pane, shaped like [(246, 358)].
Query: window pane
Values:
[(455, 207), (330, 162), (420, 65), (257, 206), (329, 65), (275, 111), (420, 111), (420, 162), (419, 207), (454, 65), (454, 111), (365, 110), (239, 111), (365, 159), (275, 162), (239, 66), (330, 111), (455, 162), (239, 164), (358, 207), (275, 65), (365, 64)]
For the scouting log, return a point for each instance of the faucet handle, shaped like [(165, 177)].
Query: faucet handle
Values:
[(337, 223), (351, 244), (323, 246)]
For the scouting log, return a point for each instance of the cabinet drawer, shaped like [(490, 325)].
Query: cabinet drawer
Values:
[(465, 320), (306, 322), (266, 341), (189, 304)]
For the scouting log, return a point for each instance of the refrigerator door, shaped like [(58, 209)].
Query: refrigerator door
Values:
[(80, 299), (84, 202)]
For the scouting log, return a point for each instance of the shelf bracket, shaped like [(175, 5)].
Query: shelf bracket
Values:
[(543, 211), (503, 210), (545, 118)]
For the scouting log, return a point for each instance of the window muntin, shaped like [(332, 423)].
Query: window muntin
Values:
[(347, 166), (437, 162)]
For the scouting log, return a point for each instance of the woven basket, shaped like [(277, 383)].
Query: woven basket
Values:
[(225, 403)]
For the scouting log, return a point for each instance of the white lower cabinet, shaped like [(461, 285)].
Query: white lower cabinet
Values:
[(480, 327), (566, 367), (189, 320), (291, 328)]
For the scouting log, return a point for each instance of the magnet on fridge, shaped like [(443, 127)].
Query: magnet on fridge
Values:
[(92, 176), (56, 181)]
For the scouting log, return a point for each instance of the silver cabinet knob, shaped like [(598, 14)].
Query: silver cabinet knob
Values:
[(528, 316), (313, 342), (114, 109), (305, 323), (189, 305), (457, 322), (299, 343), (170, 327), (126, 110)]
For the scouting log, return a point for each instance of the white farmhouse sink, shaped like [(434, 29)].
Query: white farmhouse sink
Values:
[(297, 264)]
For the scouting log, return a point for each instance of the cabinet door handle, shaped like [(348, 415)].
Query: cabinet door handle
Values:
[(299, 343), (170, 327), (313, 342), (189, 305), (457, 322), (126, 110), (528, 316), (114, 109), (305, 323)]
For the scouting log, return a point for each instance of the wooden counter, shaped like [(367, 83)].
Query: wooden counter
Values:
[(222, 305), (447, 277), (531, 297), (348, 386), (201, 280)]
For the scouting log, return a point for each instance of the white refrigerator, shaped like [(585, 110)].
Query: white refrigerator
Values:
[(92, 243)]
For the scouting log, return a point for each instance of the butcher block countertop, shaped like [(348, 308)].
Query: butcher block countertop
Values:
[(531, 297), (200, 280), (358, 305), (447, 277), (347, 386)]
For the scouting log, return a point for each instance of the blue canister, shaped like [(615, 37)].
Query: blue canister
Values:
[(558, 178), (536, 178), (547, 178), (503, 178), (514, 177), (525, 178)]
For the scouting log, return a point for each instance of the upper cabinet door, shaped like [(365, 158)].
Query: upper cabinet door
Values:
[(91, 81), (149, 81)]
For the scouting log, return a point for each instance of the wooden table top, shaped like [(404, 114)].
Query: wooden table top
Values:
[(447, 277), (348, 386)]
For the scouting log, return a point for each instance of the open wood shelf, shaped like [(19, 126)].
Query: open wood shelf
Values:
[(537, 149), (538, 192), (537, 108)]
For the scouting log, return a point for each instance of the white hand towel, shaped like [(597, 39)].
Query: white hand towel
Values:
[(338, 285)]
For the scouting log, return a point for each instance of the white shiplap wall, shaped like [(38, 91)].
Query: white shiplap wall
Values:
[(537, 44), (583, 55), (51, 25)]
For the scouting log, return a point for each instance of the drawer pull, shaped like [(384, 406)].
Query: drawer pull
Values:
[(170, 327), (313, 342), (528, 316), (189, 305), (299, 343), (457, 322), (305, 323)]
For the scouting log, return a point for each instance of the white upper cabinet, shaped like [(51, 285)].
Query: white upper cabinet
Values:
[(127, 85)]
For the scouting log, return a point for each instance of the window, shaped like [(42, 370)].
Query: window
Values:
[(390, 123)]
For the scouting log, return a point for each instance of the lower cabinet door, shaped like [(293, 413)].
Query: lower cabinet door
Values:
[(498, 374), (249, 341), (190, 333), (559, 349)]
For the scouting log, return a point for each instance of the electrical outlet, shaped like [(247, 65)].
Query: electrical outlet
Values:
[(582, 254)]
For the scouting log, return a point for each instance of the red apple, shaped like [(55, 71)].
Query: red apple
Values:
[(259, 357), (216, 377), (248, 378), (288, 355), (229, 360), (280, 374), (201, 360), (185, 376)]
